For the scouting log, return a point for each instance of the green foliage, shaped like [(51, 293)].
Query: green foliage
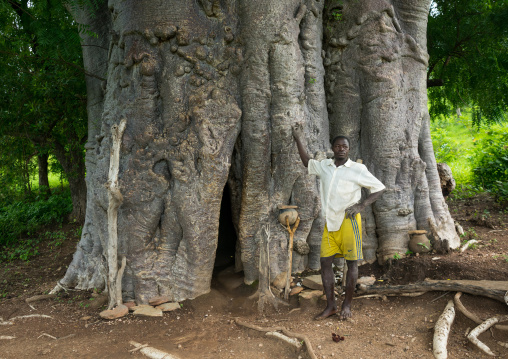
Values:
[(468, 48), (42, 88), (397, 256), (23, 218), (491, 165), (423, 245), (478, 156)]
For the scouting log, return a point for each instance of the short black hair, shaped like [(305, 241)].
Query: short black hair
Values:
[(341, 137)]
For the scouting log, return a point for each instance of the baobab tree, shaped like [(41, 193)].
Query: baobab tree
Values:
[(208, 92)]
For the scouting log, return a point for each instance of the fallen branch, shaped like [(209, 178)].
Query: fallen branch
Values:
[(151, 352), (442, 331), (32, 316), (286, 332), (470, 315), (491, 289), (473, 335), (291, 341)]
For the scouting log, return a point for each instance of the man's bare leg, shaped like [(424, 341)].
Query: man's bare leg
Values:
[(328, 279), (351, 277)]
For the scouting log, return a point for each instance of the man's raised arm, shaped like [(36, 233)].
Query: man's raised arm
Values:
[(298, 135)]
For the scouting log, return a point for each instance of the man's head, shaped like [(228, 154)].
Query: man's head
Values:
[(340, 147)]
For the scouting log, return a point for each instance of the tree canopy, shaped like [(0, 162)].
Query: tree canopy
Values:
[(468, 66), (42, 87)]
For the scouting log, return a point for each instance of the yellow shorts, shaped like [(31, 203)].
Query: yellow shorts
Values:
[(346, 242)]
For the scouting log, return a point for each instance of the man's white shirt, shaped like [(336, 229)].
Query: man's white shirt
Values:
[(341, 187)]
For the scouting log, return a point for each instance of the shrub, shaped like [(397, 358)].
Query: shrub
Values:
[(24, 217), (491, 166)]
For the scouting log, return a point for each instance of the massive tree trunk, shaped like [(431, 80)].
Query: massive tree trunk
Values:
[(209, 91), (376, 61)]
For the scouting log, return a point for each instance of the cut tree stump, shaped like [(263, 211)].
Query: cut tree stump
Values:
[(487, 288)]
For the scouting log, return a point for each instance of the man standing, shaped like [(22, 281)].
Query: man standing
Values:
[(341, 182)]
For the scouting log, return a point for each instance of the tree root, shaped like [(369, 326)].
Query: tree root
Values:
[(291, 341), (470, 315), (58, 288), (36, 298), (442, 331), (284, 331), (151, 352), (473, 335)]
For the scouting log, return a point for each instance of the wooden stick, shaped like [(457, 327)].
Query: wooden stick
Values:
[(152, 353), (290, 255), (286, 332), (473, 335), (442, 331)]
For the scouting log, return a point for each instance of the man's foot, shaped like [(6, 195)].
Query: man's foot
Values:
[(345, 313), (326, 313)]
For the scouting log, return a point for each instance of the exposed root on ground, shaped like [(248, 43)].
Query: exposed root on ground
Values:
[(36, 298), (284, 331), (151, 352), (442, 331), (473, 335), (470, 315)]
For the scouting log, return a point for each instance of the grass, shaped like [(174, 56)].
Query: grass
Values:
[(454, 141), (55, 181)]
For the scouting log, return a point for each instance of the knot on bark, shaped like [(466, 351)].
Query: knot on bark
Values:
[(301, 247)]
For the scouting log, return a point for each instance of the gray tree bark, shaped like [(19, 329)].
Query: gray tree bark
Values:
[(209, 91), (376, 60)]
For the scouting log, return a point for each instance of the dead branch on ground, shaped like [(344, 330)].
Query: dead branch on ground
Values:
[(151, 352), (491, 289), (284, 331)]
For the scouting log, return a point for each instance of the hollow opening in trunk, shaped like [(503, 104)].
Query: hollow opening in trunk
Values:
[(226, 246)]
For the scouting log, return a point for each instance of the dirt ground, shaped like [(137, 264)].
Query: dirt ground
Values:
[(400, 327)]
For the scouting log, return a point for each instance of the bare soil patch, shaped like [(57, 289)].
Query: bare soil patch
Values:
[(400, 327)]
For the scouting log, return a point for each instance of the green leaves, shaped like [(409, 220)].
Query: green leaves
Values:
[(468, 48), (42, 87)]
